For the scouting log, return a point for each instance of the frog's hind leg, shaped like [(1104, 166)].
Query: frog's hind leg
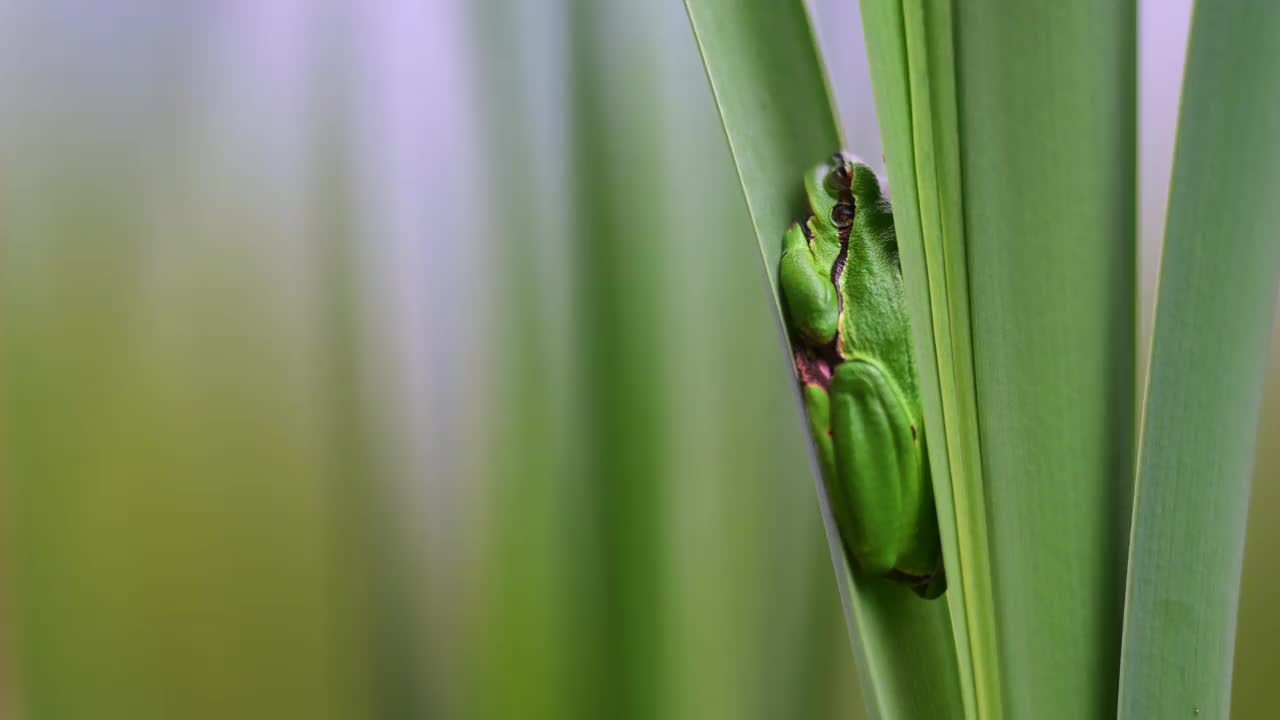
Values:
[(878, 454), (817, 403)]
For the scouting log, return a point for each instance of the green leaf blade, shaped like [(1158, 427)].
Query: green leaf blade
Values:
[(912, 57), (1216, 299), (1009, 138), (774, 103), (770, 86), (1046, 117)]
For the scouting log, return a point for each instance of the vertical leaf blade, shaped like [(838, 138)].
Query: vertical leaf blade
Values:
[(1046, 94), (911, 55), (1028, 349), (769, 84), (1216, 296)]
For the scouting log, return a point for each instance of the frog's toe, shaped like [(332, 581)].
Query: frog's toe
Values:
[(936, 586)]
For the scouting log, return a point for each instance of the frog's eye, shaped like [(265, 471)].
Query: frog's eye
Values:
[(842, 215), (839, 180)]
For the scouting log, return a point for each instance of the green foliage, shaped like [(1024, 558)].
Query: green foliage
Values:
[(180, 538), (633, 516), (1016, 294), (196, 439), (910, 63), (767, 80), (1046, 108), (1218, 282)]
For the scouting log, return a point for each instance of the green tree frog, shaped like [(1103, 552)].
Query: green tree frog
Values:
[(842, 289)]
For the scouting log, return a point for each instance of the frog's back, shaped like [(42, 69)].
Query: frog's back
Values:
[(876, 322)]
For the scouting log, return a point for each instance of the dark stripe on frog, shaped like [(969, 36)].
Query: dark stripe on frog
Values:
[(837, 268)]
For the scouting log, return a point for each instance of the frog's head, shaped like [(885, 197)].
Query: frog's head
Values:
[(841, 171), (829, 190), (847, 173), (837, 189)]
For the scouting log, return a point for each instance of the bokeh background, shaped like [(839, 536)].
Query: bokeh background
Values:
[(414, 359)]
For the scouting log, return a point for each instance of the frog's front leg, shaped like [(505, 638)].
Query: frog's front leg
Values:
[(812, 303), (881, 471)]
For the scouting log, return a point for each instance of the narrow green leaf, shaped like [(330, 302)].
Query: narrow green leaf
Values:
[(1216, 296), (770, 86), (911, 57), (534, 653), (625, 359)]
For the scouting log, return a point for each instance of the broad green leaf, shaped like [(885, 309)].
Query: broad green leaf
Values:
[(1046, 104), (1216, 297), (1014, 295), (764, 70)]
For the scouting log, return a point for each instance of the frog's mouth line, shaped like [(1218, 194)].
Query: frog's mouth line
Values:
[(837, 276), (837, 267), (842, 258)]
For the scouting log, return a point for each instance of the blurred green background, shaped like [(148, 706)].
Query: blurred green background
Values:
[(415, 360)]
